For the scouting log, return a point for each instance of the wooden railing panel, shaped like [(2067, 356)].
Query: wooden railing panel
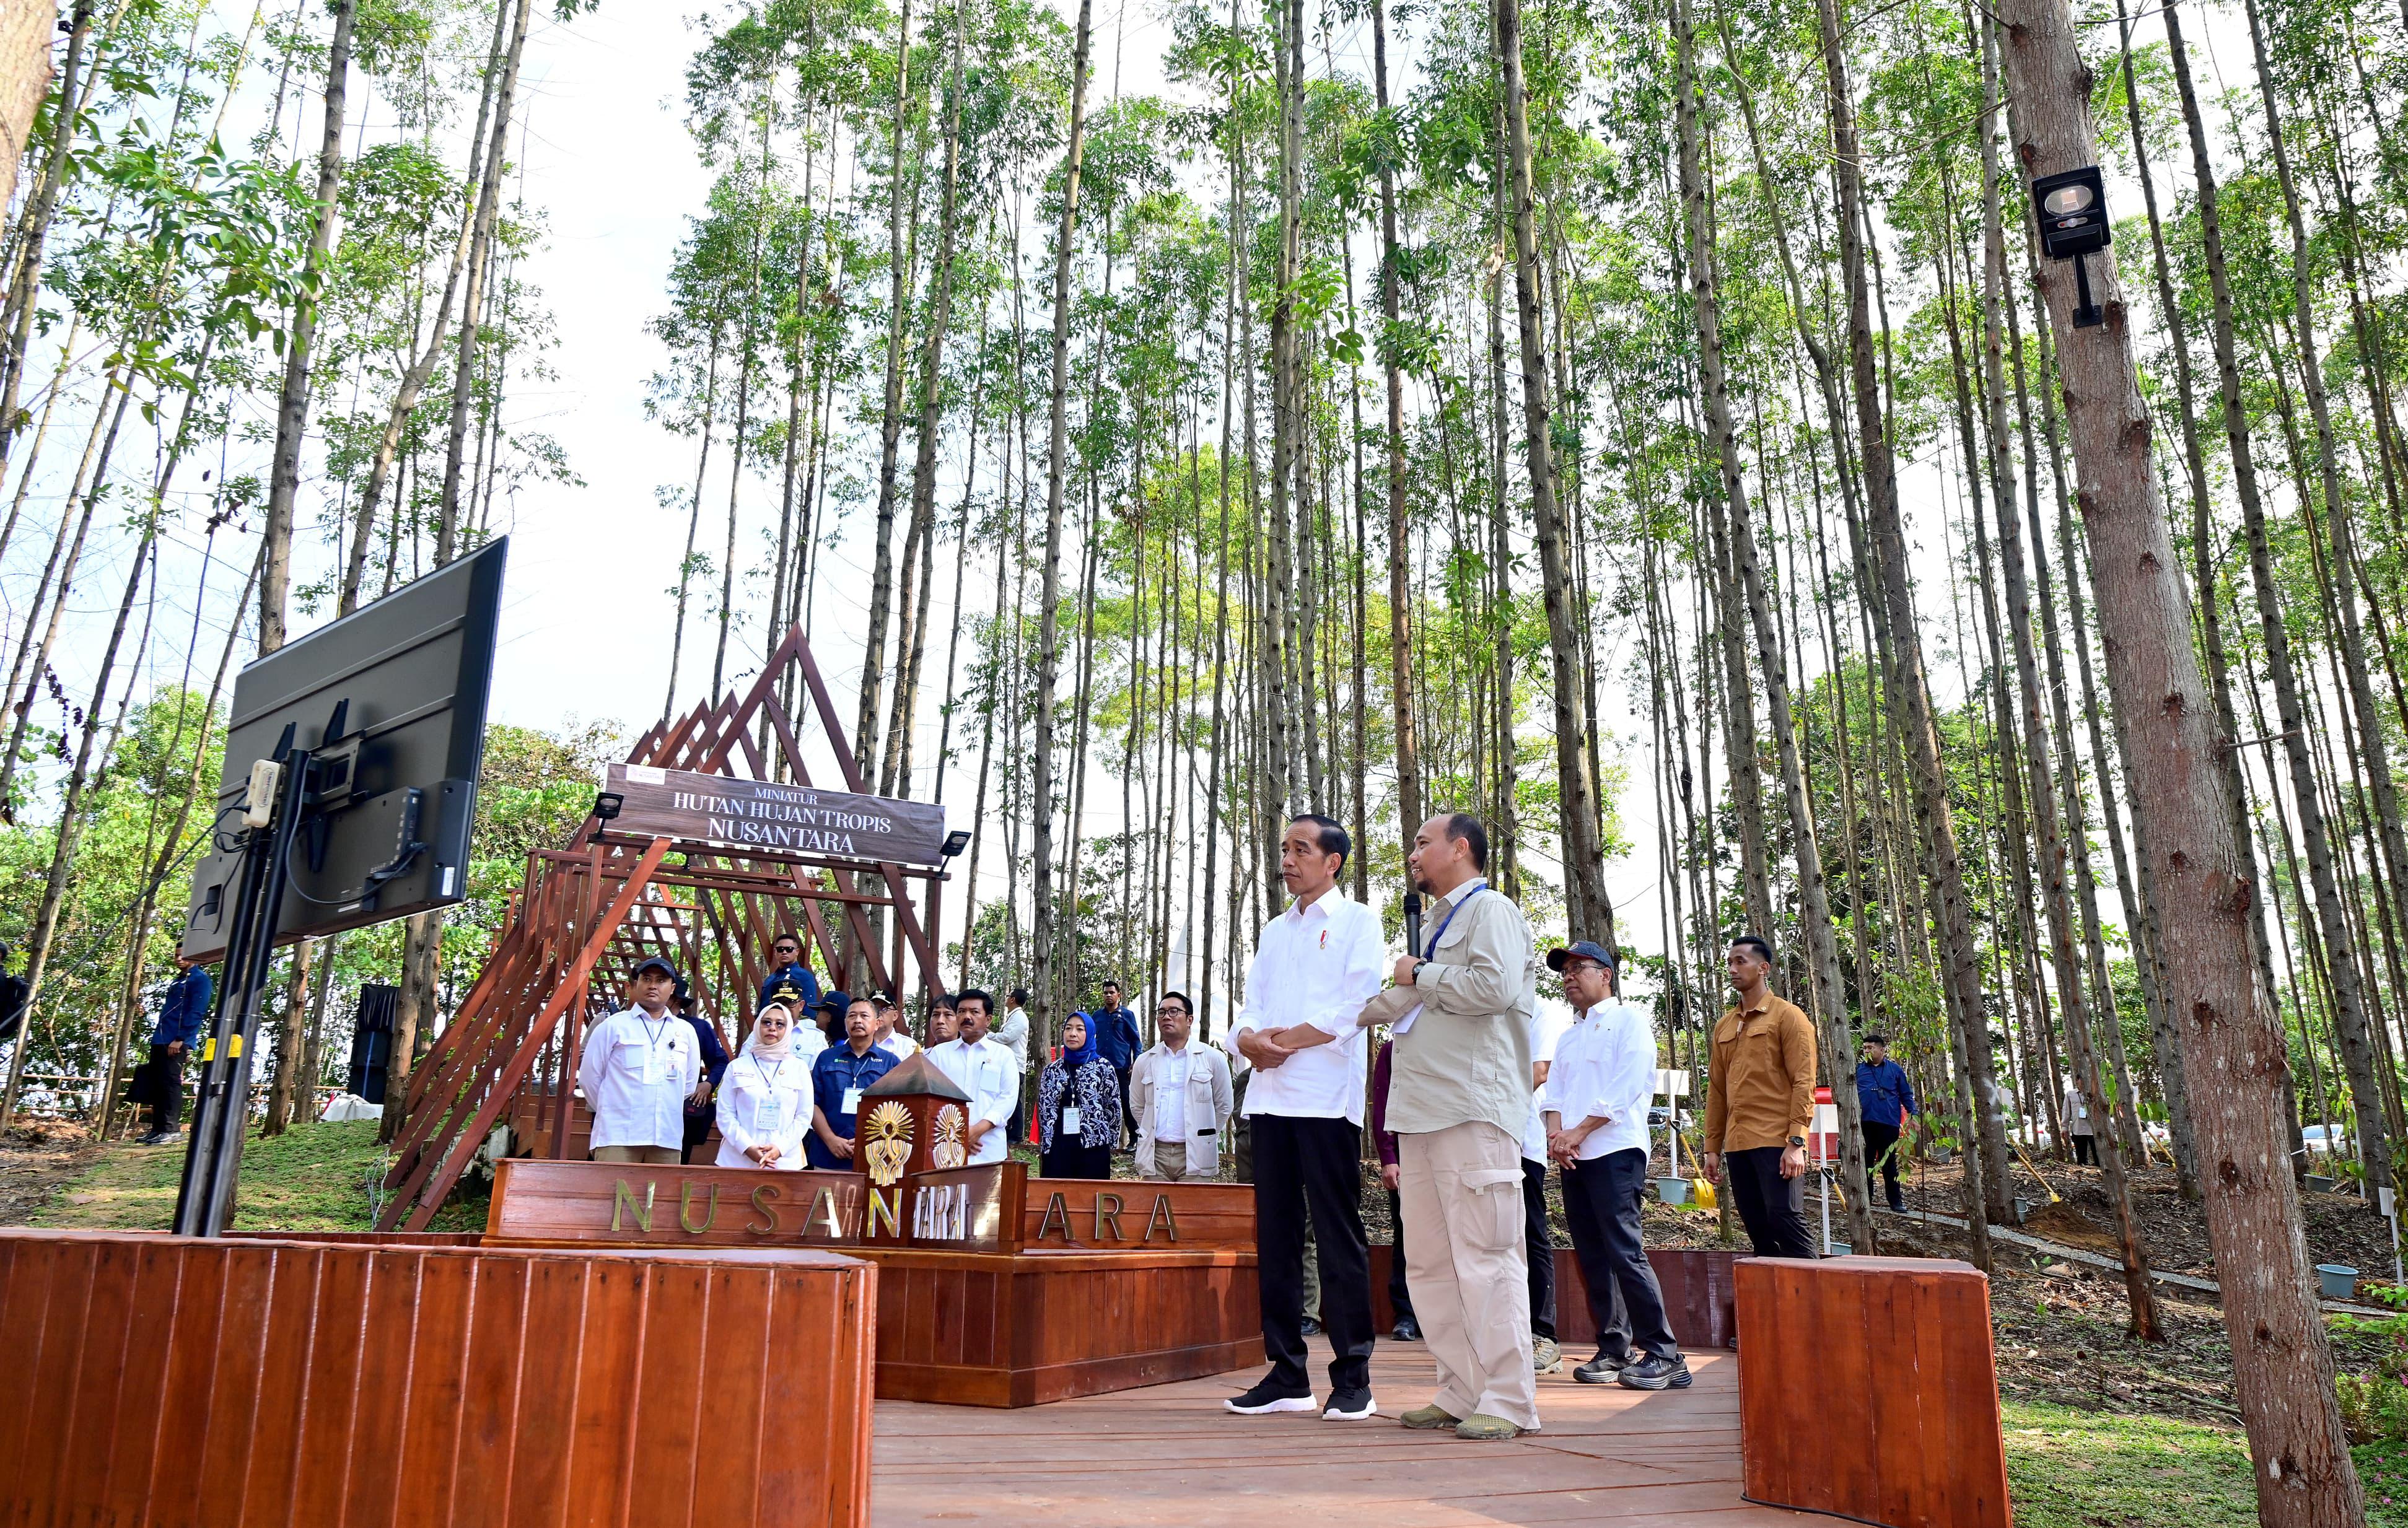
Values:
[(1895, 1356), (254, 1382)]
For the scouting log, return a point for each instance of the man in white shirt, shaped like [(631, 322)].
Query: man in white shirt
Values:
[(888, 1035), (1315, 967), (1597, 1091), (981, 1068), (1182, 1098), (637, 1068), (1012, 1030)]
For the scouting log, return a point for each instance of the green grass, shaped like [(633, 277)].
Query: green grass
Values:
[(2096, 1469), (312, 1177)]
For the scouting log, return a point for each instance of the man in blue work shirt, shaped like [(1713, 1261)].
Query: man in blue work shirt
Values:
[(1118, 1041), (1886, 1097), (700, 1114), (181, 1014), (837, 1080), (790, 980)]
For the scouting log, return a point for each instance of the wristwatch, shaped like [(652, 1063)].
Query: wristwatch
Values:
[(1797, 1140)]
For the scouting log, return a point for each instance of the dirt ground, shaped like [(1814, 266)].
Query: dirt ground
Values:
[(37, 1161)]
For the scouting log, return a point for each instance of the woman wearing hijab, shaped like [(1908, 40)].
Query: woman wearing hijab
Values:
[(1078, 1108), (764, 1100)]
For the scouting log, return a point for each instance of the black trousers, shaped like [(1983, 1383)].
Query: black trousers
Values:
[(1601, 1206), (1400, 1298), (1306, 1167), (1540, 1245), (1773, 1207), (1072, 1160), (167, 1094), (1880, 1139), (1128, 1116), (2085, 1149)]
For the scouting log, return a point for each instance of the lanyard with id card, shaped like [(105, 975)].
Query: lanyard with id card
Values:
[(769, 1113), (1405, 1024)]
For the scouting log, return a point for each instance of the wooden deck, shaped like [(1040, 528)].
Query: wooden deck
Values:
[(1169, 1455)]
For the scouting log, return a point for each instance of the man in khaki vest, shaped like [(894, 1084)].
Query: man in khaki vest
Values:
[(1458, 1098)]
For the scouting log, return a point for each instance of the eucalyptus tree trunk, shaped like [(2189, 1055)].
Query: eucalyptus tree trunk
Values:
[(293, 410), (40, 209), (890, 419), (1815, 903), (1279, 788), (2356, 668), (2232, 1040), (1401, 639), (1057, 466), (24, 79), (1909, 691), (472, 307), (2350, 1021), (1582, 828)]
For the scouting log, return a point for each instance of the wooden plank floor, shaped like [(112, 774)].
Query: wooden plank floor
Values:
[(1170, 1455)]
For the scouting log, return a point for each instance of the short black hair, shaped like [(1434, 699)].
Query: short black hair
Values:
[(1757, 943), (1875, 1037), (1333, 834), (1114, 983), (942, 1000), (1020, 995), (788, 936), (1467, 827), (986, 999), (1183, 1001)]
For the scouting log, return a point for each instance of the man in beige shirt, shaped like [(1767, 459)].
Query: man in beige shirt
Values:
[(1760, 1102), (1458, 1097)]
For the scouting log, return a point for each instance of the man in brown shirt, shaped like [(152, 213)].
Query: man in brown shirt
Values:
[(1760, 1102)]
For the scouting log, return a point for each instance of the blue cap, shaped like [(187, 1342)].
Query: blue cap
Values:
[(1586, 948), (838, 1001)]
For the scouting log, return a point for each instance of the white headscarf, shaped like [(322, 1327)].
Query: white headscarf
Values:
[(754, 1045)]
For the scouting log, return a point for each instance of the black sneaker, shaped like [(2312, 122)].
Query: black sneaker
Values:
[(1408, 1329), (1351, 1405), (1653, 1373), (1602, 1369), (1266, 1397), (1311, 1327)]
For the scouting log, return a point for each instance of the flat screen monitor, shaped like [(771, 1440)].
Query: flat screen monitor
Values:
[(392, 699)]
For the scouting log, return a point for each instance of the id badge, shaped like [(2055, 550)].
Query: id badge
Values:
[(770, 1116), (652, 1073), (851, 1101), (1071, 1119)]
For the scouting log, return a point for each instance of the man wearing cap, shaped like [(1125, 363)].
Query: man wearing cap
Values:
[(830, 1014), (886, 1032), (789, 979), (638, 1067), (1598, 1087), (837, 1080)]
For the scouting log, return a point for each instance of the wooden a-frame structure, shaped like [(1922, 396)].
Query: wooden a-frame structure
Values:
[(585, 915)]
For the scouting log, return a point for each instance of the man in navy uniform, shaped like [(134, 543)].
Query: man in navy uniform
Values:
[(839, 1079), (790, 980), (185, 1010)]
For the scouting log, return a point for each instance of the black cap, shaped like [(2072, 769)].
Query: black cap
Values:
[(838, 1001), (659, 963), (1587, 949)]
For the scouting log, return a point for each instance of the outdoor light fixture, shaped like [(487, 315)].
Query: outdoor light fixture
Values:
[(607, 805), (956, 842), (2072, 211)]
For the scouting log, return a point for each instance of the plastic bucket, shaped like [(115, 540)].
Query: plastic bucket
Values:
[(1672, 1191), (2340, 1280)]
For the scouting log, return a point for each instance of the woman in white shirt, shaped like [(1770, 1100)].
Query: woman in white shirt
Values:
[(765, 1100)]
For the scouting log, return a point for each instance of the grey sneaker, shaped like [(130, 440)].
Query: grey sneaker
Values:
[(1545, 1356), (1653, 1373), (1602, 1369)]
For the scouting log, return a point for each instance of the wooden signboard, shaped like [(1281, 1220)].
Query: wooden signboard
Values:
[(991, 1290), (967, 1210), (687, 805)]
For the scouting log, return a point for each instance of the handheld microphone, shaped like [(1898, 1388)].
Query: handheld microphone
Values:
[(1413, 922)]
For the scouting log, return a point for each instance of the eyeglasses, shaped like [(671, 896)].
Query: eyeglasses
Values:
[(1571, 967)]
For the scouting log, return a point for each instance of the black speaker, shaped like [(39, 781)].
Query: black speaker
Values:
[(372, 1041)]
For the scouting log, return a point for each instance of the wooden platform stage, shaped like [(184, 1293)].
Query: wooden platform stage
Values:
[(1169, 1455)]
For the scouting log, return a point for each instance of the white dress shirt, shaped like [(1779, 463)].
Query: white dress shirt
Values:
[(1314, 965), (984, 1071), (1012, 1030), (1605, 1069), (636, 1071), (765, 1102), (901, 1046), (1549, 1021), (1170, 1093)]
